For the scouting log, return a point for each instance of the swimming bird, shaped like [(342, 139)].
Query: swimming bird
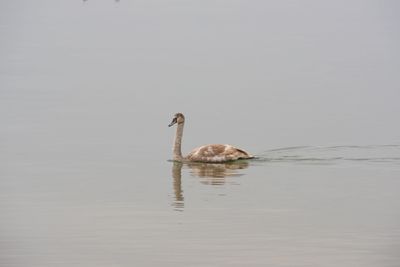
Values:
[(214, 153)]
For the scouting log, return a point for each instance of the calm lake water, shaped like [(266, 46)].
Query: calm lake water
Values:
[(87, 89), (305, 206)]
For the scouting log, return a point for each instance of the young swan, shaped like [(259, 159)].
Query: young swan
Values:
[(208, 153)]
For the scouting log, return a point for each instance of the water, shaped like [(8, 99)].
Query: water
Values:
[(289, 207), (88, 88)]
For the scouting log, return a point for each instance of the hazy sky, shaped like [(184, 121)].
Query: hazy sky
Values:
[(261, 74)]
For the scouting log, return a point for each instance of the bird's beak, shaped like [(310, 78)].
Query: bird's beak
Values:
[(174, 120)]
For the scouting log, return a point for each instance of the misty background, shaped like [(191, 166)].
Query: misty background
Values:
[(258, 74), (87, 89)]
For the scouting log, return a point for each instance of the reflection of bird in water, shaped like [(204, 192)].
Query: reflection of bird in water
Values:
[(209, 173), (177, 183), (215, 173), (208, 153)]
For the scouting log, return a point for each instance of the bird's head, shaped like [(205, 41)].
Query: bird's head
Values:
[(178, 118)]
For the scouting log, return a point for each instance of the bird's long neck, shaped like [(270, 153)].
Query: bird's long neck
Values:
[(178, 142)]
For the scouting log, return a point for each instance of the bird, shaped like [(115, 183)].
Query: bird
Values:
[(213, 153)]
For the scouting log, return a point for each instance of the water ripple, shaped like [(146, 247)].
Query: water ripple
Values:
[(333, 154)]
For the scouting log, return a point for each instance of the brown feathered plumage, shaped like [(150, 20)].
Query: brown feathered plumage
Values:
[(209, 153)]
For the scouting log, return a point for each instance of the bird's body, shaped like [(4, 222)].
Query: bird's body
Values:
[(215, 153)]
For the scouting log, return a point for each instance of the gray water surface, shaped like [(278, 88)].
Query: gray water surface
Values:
[(87, 89), (289, 207)]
